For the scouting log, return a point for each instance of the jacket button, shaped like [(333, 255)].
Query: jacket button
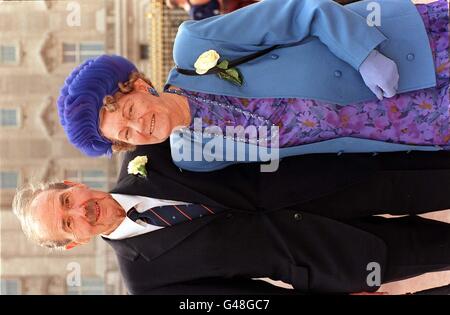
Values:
[(410, 57), (298, 216), (274, 56), (337, 74)]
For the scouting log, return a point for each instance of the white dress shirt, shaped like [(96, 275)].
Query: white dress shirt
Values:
[(128, 227)]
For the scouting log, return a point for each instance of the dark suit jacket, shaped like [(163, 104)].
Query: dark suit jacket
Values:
[(285, 225)]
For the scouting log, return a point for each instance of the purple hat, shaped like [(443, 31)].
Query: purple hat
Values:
[(82, 97)]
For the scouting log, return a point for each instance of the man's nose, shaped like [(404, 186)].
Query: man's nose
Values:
[(78, 211)]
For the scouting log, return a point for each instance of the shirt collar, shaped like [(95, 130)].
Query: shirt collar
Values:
[(126, 201), (127, 226)]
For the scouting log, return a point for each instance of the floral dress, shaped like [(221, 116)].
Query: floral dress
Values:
[(416, 118)]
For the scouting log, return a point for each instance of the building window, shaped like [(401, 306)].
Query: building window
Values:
[(9, 117), (143, 51), (10, 287), (8, 54), (79, 52), (95, 179), (9, 179), (89, 286)]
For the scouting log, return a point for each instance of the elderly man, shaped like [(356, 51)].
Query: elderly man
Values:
[(211, 233)]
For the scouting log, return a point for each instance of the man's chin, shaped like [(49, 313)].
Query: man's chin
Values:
[(103, 232)]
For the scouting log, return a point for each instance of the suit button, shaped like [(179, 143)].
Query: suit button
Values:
[(274, 56), (229, 215), (298, 216), (337, 74), (410, 57)]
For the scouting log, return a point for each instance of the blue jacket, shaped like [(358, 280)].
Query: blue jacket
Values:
[(323, 45)]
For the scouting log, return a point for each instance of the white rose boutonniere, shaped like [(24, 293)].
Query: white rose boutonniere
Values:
[(209, 59), (206, 61), (137, 166)]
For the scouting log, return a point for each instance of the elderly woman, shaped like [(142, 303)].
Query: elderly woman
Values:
[(317, 71)]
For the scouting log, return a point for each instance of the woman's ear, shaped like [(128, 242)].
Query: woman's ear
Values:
[(140, 85)]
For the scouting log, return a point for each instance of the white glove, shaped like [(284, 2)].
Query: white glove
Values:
[(380, 74)]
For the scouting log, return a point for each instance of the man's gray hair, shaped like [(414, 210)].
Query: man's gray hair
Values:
[(21, 208)]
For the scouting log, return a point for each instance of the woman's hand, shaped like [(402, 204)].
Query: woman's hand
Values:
[(380, 74)]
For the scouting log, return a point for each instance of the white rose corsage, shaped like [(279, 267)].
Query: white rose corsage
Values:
[(137, 166), (209, 59)]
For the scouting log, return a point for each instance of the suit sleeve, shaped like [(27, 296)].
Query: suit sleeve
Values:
[(279, 22), (218, 286)]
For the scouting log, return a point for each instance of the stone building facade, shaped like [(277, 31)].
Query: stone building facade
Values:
[(40, 43)]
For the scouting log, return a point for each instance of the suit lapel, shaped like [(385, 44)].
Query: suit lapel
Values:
[(122, 248), (153, 244)]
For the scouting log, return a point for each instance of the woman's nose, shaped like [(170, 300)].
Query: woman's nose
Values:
[(137, 124)]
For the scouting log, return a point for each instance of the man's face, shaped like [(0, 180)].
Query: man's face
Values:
[(76, 213)]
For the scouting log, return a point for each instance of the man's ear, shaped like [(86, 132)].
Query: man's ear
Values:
[(79, 242), (71, 183), (141, 85), (71, 245)]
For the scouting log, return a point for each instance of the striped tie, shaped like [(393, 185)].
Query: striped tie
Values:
[(171, 215)]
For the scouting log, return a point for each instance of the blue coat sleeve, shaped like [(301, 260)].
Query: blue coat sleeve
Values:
[(280, 22)]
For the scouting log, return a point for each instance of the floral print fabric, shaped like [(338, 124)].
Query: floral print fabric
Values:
[(420, 117)]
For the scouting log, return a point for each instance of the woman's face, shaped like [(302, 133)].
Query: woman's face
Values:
[(140, 118)]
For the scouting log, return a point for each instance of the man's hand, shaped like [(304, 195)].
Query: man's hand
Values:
[(380, 74)]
